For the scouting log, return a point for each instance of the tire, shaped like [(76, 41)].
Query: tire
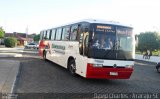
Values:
[(72, 67), (44, 55), (158, 68)]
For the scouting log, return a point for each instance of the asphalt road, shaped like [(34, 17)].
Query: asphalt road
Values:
[(39, 78)]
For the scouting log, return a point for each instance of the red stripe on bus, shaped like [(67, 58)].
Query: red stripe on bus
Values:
[(104, 73)]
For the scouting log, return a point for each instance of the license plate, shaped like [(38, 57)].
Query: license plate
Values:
[(113, 73)]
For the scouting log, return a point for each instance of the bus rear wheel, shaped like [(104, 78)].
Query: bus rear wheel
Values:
[(72, 67)]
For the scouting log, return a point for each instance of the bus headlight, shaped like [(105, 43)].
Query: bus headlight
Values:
[(97, 65)]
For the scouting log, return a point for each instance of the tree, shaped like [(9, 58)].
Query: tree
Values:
[(1, 32), (36, 37), (148, 40)]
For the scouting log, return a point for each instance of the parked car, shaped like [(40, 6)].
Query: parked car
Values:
[(158, 67), (32, 45)]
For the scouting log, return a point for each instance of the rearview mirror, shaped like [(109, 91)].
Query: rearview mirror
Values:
[(86, 30)]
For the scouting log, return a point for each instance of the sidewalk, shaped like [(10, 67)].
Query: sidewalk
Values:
[(8, 48), (8, 73), (152, 58), (11, 52), (10, 55), (2, 46)]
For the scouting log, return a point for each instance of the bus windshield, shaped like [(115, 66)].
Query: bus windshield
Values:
[(111, 42)]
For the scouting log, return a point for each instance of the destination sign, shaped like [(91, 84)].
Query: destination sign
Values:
[(124, 31), (103, 27)]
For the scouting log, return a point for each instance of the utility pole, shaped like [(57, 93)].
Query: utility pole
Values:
[(26, 36)]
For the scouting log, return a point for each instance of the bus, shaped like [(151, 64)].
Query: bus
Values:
[(91, 48)]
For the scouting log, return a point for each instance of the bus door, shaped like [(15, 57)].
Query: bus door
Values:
[(83, 47), (83, 40)]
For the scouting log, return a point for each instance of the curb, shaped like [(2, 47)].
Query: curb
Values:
[(16, 79), (145, 61)]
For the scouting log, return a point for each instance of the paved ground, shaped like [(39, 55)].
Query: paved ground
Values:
[(45, 77), (46, 80), (38, 76), (8, 72), (9, 68)]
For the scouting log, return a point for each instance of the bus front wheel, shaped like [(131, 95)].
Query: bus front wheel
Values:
[(72, 67)]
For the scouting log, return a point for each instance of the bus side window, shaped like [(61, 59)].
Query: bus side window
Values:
[(50, 34), (58, 34), (53, 34), (80, 41), (65, 34), (86, 44), (41, 35), (78, 32), (73, 34), (45, 35)]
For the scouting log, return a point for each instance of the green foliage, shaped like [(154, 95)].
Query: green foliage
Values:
[(36, 37), (1, 32), (137, 52), (10, 42), (156, 52), (148, 40)]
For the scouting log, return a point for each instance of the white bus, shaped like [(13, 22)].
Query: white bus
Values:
[(91, 48)]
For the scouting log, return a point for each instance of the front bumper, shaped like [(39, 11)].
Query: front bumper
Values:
[(104, 73)]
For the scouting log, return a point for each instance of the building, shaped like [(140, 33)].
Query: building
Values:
[(22, 38)]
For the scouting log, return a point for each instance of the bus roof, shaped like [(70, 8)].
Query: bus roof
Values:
[(104, 22), (97, 21)]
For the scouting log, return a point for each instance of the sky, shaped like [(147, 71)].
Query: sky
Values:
[(36, 15)]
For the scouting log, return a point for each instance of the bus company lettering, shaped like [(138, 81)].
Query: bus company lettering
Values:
[(70, 46), (58, 46)]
